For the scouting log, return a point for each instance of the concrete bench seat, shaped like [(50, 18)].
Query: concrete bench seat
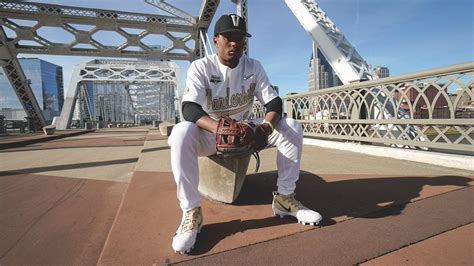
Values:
[(49, 130), (222, 179), (165, 128)]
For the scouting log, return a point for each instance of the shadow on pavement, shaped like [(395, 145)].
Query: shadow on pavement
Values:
[(212, 234), (351, 197), (34, 170), (368, 198), (155, 149), (32, 148)]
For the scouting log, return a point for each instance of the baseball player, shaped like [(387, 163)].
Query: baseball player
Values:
[(224, 85)]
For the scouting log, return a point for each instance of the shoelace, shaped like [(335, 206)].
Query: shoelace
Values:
[(190, 219)]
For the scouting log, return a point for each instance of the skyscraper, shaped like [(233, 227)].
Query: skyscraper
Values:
[(382, 71), (46, 81), (326, 76)]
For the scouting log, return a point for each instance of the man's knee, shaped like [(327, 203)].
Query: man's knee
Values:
[(181, 131), (294, 126)]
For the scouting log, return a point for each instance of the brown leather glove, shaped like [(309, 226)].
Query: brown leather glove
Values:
[(234, 138)]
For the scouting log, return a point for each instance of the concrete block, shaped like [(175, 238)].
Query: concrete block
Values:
[(222, 179), (165, 128), (49, 130)]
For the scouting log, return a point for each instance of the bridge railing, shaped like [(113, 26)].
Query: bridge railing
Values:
[(429, 109)]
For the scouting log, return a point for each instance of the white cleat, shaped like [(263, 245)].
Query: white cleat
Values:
[(287, 205), (186, 235)]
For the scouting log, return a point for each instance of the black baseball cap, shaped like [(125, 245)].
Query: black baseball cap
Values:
[(231, 23)]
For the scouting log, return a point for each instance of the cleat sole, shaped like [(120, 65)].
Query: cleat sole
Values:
[(184, 252)]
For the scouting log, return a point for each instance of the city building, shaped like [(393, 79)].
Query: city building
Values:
[(46, 81), (326, 76), (382, 72), (432, 96)]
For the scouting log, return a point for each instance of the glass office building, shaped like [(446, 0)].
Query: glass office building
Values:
[(46, 81)]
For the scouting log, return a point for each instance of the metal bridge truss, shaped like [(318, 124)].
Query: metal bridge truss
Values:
[(26, 27), (343, 57), (120, 91)]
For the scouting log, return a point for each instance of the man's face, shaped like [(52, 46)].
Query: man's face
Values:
[(230, 47)]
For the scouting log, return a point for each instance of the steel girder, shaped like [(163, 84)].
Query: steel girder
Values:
[(208, 9), (147, 83), (343, 57), (19, 82), (161, 4), (180, 28), (71, 20), (84, 43), (242, 11)]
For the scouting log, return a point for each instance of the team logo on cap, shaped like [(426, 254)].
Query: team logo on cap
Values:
[(235, 20)]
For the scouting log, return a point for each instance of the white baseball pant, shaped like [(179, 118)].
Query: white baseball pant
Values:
[(188, 142)]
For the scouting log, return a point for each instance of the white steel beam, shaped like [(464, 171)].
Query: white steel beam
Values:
[(242, 12), (208, 9), (71, 21), (150, 85), (163, 5), (66, 19), (344, 59), (19, 82)]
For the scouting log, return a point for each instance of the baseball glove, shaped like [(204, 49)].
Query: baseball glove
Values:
[(234, 139)]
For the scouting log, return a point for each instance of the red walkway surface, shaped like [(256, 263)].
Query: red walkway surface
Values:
[(17, 139), (49, 220), (378, 217)]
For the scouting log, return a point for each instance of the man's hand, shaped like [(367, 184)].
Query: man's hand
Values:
[(261, 136)]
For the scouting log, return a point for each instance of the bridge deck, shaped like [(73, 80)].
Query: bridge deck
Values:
[(108, 197)]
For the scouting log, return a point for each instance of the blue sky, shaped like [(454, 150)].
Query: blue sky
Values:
[(404, 35)]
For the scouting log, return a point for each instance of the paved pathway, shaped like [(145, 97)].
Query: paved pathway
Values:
[(108, 197)]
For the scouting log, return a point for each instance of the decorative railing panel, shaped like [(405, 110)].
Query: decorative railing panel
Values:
[(429, 109)]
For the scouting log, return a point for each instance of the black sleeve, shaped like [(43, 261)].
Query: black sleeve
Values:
[(275, 105), (192, 111)]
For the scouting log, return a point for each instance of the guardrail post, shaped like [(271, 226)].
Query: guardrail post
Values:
[(290, 108), (2, 124)]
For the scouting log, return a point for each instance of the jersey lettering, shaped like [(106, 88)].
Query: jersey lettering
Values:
[(230, 101)]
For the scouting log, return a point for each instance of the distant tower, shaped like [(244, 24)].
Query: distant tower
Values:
[(326, 76), (382, 71)]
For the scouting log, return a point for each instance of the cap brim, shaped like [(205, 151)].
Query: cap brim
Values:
[(236, 30)]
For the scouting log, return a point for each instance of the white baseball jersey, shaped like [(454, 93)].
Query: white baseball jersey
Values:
[(224, 91)]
